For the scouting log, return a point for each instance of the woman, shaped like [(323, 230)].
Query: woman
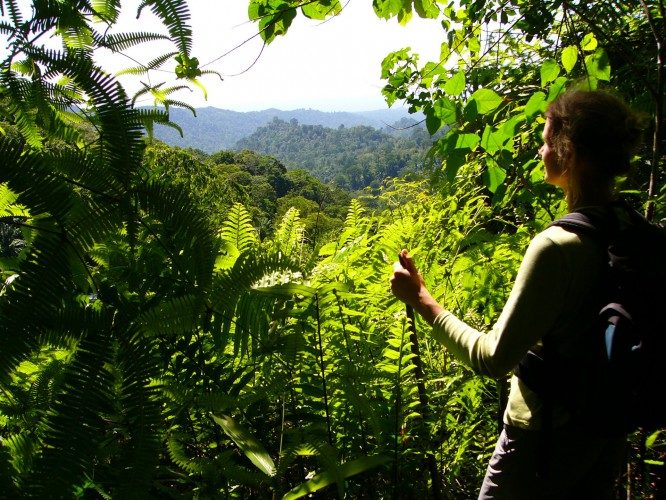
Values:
[(589, 138)]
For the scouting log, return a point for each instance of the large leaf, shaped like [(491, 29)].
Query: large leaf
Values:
[(494, 176), (486, 100), (549, 71), (569, 57), (249, 445), (535, 105), (320, 11), (456, 84), (598, 65), (326, 478)]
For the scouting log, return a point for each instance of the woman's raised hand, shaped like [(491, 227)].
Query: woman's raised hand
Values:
[(407, 285), (406, 282)]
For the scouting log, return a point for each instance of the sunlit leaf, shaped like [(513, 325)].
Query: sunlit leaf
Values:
[(467, 141), (556, 88), (248, 444), (426, 8), (494, 176), (493, 141), (569, 57), (549, 71), (346, 470), (445, 110), (456, 84), (486, 100), (535, 105), (433, 122), (589, 43), (320, 11)]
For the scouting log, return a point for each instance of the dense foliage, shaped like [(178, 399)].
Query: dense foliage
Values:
[(154, 344), (260, 183), (352, 158)]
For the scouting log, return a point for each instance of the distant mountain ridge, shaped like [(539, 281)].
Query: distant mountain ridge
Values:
[(214, 129)]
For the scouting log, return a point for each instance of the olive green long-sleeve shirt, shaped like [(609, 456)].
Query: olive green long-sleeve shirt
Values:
[(552, 295)]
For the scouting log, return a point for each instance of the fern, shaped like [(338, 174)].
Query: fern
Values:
[(175, 16), (153, 64), (13, 11), (171, 317), (233, 296), (123, 41), (106, 10), (238, 229), (21, 447), (290, 233)]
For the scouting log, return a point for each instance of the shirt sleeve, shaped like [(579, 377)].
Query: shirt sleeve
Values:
[(532, 310)]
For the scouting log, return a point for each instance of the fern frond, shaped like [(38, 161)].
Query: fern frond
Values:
[(172, 316), (212, 72), (178, 455), (121, 143), (180, 104), (123, 41), (355, 213), (20, 95), (24, 67), (14, 12), (170, 90), (7, 29), (238, 229), (7, 199), (141, 92), (7, 472), (106, 10), (22, 448), (79, 38), (290, 233), (134, 71), (74, 429), (175, 15), (137, 402), (191, 243), (233, 296), (149, 117), (150, 65), (201, 86), (42, 391), (33, 181)]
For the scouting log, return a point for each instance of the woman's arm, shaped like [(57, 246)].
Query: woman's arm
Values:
[(531, 311)]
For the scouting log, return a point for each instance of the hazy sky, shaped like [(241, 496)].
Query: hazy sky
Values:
[(333, 65)]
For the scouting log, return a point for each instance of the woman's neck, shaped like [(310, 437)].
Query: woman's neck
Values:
[(597, 198)]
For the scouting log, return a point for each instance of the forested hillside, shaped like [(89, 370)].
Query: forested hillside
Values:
[(177, 324), (260, 183), (214, 129), (352, 158)]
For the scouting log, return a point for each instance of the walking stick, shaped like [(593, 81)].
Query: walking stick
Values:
[(420, 384)]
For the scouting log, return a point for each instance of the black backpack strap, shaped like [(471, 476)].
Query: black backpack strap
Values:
[(578, 222), (600, 223)]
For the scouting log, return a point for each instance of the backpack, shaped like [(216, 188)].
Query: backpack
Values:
[(615, 384)]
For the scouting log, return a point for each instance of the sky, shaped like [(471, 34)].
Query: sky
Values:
[(330, 66)]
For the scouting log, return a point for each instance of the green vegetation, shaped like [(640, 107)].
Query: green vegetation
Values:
[(169, 328), (352, 158), (260, 183)]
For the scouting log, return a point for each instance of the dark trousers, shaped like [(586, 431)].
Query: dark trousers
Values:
[(569, 464)]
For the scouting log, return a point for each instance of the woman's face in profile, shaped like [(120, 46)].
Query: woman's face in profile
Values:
[(555, 173)]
